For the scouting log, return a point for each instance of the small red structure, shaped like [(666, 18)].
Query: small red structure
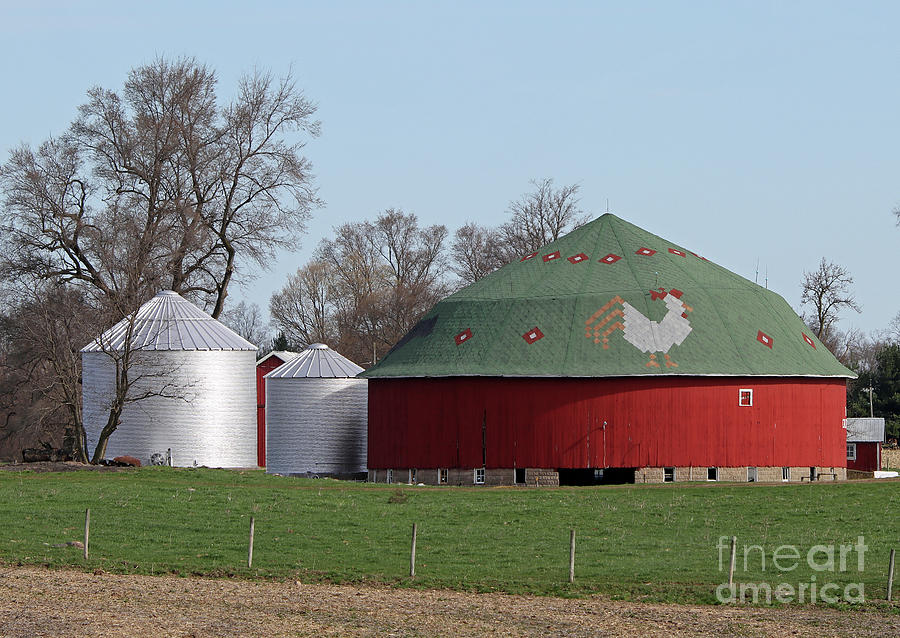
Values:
[(864, 439), (263, 367)]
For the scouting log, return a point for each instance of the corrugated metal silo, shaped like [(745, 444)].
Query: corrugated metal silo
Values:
[(316, 415), (201, 378)]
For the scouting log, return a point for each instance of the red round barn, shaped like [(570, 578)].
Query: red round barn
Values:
[(637, 361)]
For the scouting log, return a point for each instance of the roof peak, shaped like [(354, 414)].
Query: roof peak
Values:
[(316, 361), (168, 321)]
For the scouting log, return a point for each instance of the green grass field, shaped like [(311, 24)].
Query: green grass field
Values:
[(656, 543)]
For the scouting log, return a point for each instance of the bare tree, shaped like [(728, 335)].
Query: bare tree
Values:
[(40, 370), (415, 259), (156, 187), (475, 252), (246, 319), (851, 347), (827, 291), (366, 287), (536, 219), (303, 310), (893, 332), (358, 289), (539, 217)]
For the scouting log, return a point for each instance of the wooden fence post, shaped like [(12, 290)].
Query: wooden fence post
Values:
[(87, 531), (731, 569), (250, 550), (572, 556), (890, 576), (412, 552)]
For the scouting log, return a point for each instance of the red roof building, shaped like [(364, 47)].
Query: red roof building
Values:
[(264, 366)]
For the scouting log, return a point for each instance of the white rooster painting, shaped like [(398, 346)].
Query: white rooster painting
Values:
[(644, 334)]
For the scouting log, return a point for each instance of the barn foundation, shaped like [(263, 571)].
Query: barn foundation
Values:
[(542, 477)]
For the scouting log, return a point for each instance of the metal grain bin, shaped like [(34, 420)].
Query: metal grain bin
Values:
[(316, 416), (201, 380)]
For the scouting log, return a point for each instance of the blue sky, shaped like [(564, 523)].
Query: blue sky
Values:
[(749, 131)]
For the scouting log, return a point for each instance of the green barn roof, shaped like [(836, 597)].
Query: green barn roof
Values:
[(610, 299)]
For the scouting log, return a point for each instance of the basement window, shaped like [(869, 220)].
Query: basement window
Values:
[(442, 476), (751, 475), (786, 474), (390, 476), (668, 475), (851, 451), (745, 397), (712, 474), (479, 476)]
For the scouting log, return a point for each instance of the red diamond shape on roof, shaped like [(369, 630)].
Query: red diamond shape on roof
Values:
[(578, 258), (465, 335), (808, 340), (675, 251), (551, 256), (527, 257), (533, 335), (610, 259), (646, 252), (764, 339)]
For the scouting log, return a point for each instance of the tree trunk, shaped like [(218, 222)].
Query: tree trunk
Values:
[(226, 279)]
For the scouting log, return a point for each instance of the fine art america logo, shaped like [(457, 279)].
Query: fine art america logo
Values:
[(823, 560)]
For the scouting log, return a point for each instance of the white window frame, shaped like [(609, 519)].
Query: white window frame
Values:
[(741, 398), (786, 474), (851, 451), (752, 475), (478, 473), (664, 474), (390, 476), (443, 476), (715, 472)]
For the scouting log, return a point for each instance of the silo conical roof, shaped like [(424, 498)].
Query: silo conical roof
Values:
[(316, 361), (610, 299), (170, 322)]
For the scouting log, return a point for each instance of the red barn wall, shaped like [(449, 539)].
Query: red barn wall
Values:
[(650, 422), (866, 458), (262, 370)]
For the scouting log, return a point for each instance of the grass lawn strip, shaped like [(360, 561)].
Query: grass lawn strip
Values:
[(642, 543)]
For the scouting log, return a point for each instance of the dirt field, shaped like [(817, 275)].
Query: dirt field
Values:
[(38, 602)]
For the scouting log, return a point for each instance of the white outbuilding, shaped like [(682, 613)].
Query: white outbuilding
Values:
[(316, 416), (193, 387)]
